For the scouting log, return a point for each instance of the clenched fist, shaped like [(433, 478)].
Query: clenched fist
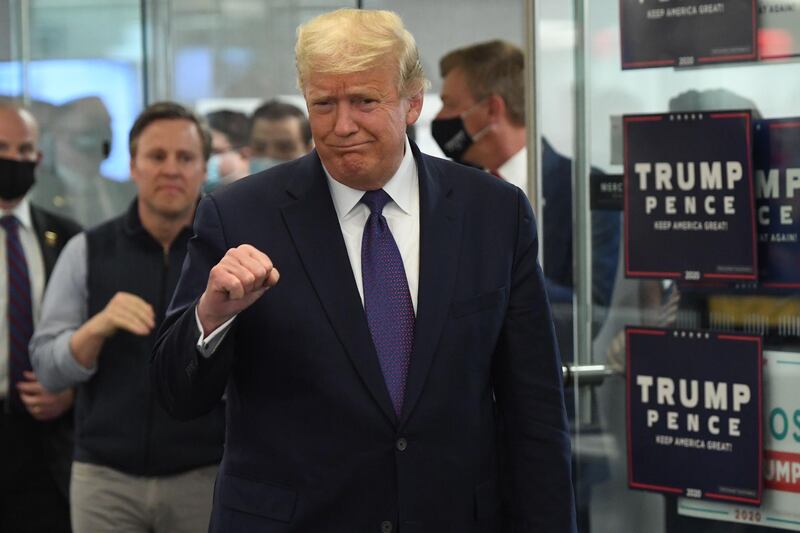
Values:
[(242, 276)]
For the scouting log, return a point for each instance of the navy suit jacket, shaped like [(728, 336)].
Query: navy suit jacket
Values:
[(313, 443)]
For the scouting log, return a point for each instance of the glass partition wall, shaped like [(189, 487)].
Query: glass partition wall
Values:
[(604, 93), (79, 67)]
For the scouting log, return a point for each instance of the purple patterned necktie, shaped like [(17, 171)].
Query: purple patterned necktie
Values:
[(387, 300), (20, 320)]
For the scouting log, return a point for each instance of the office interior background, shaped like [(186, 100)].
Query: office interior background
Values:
[(87, 67)]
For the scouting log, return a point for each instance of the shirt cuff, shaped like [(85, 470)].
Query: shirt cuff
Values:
[(208, 345), (72, 371)]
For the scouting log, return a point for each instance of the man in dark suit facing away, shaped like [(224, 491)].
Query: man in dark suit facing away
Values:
[(365, 382), (35, 425)]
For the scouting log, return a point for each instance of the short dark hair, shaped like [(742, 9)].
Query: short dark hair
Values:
[(233, 124), (167, 111), (276, 110), (711, 100), (493, 67)]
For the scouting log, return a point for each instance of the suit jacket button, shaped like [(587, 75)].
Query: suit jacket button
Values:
[(401, 444), (386, 527)]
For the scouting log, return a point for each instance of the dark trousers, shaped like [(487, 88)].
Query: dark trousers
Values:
[(30, 500)]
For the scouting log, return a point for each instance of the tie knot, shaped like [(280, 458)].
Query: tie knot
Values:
[(376, 200), (9, 222)]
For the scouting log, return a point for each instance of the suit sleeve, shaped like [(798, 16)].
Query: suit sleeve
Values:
[(527, 381), (187, 384)]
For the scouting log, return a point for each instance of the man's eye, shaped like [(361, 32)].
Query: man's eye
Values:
[(284, 146)]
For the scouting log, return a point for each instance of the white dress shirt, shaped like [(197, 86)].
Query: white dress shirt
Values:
[(36, 274), (515, 170), (402, 215)]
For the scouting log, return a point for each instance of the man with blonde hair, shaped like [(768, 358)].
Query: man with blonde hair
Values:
[(361, 387)]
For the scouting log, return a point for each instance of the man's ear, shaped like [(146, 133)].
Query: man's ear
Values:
[(497, 106), (131, 167), (414, 108)]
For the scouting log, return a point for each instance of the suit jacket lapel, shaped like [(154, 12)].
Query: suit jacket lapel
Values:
[(315, 231), (440, 238), (48, 241)]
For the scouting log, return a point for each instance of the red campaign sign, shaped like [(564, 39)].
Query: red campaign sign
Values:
[(782, 471)]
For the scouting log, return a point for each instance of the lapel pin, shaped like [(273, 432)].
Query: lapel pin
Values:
[(50, 237)]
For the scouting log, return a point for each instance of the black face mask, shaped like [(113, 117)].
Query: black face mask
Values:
[(451, 136), (16, 178)]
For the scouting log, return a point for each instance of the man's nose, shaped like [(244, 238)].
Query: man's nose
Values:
[(345, 125), (171, 166), (20, 155)]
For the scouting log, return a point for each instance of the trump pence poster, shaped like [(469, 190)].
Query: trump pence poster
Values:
[(664, 33), (777, 176), (780, 507), (694, 414), (689, 196)]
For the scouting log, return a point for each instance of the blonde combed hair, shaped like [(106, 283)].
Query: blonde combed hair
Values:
[(346, 41)]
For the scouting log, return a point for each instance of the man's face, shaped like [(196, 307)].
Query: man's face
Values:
[(82, 133), (231, 161), (18, 136), (279, 139), (457, 100), (359, 122), (168, 167), (220, 143)]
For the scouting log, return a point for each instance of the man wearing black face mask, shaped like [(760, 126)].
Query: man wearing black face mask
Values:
[(482, 120), (482, 123), (35, 425)]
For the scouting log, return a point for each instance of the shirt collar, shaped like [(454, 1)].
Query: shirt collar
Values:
[(515, 169), (23, 213), (399, 187)]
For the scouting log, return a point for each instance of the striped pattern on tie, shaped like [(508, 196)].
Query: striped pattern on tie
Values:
[(20, 316)]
